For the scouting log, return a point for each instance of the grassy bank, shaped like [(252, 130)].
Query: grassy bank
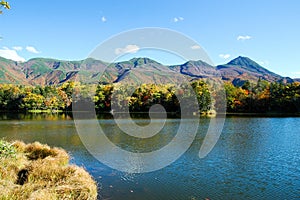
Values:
[(36, 171)]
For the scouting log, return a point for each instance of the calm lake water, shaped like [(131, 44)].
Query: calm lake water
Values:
[(255, 158)]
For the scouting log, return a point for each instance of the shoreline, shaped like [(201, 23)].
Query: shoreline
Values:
[(263, 114), (145, 114)]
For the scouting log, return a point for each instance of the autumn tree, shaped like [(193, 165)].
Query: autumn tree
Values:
[(5, 5), (236, 97)]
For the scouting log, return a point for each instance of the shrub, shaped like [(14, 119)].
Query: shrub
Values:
[(7, 149)]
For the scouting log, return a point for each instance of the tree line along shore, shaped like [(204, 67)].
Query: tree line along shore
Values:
[(259, 97)]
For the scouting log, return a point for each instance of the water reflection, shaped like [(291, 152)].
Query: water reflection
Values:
[(255, 158)]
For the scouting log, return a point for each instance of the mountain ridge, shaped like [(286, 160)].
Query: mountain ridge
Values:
[(48, 71)]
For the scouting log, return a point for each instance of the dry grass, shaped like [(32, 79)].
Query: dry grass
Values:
[(40, 172)]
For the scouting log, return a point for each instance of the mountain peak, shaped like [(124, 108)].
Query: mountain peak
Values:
[(142, 61), (242, 67), (244, 61), (197, 63)]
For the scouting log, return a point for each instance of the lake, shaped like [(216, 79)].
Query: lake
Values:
[(255, 158)]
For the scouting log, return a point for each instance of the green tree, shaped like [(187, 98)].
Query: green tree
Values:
[(10, 97), (203, 95), (102, 98)]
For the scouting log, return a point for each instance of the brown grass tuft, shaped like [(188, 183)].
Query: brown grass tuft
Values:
[(44, 173)]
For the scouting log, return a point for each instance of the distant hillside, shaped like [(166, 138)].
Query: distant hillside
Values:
[(297, 80), (11, 72), (42, 71), (195, 69), (241, 69)]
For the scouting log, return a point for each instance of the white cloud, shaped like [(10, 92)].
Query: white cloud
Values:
[(243, 37), (32, 49), (18, 48), (103, 19), (11, 54), (177, 19), (195, 47), (224, 56), (130, 48)]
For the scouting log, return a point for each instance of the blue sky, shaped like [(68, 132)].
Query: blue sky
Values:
[(265, 31)]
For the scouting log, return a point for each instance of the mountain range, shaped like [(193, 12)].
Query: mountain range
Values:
[(44, 71)]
